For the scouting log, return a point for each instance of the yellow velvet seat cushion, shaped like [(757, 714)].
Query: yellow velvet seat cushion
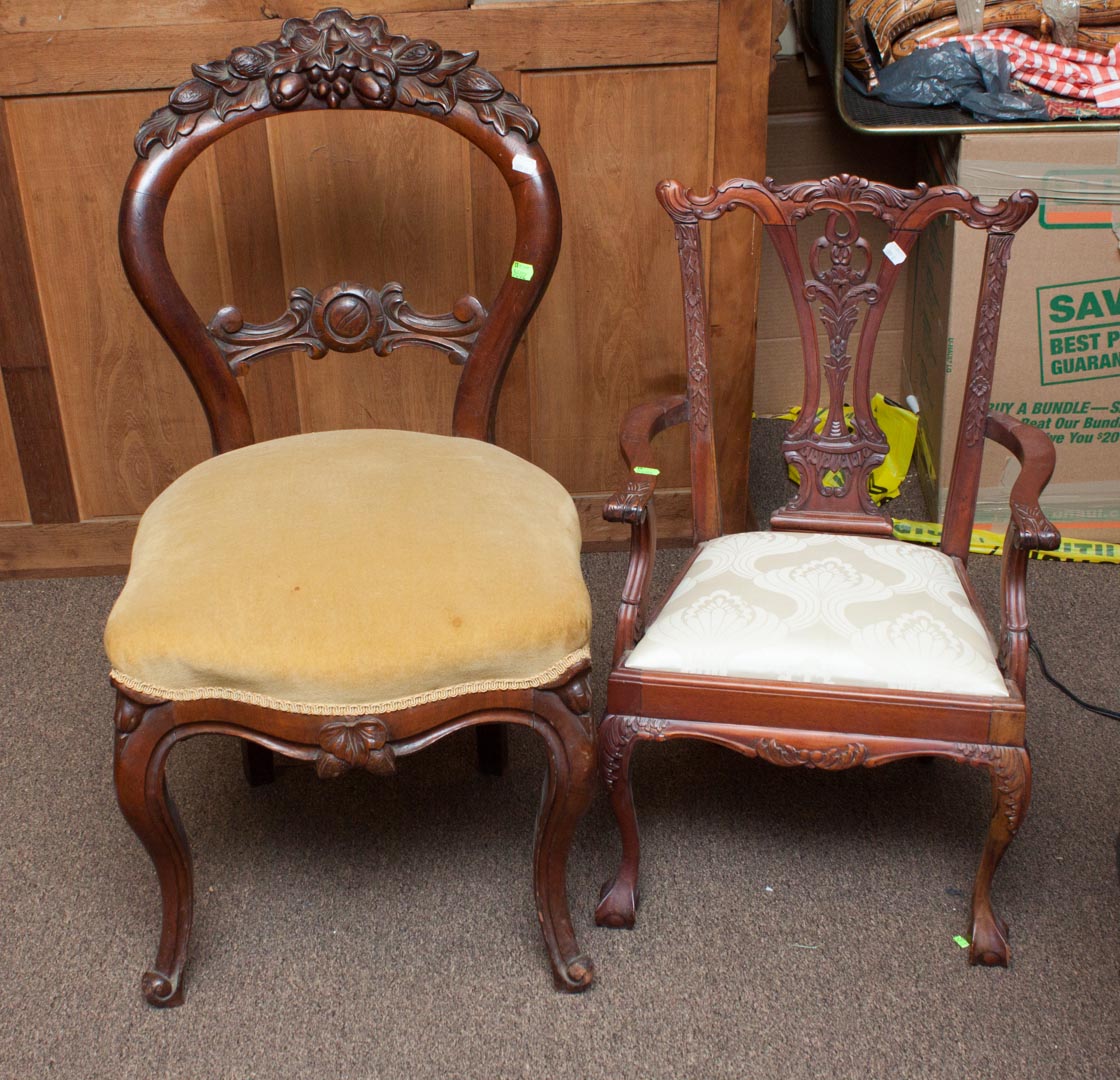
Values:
[(352, 572)]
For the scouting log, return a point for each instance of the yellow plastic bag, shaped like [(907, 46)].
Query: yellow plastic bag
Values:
[(986, 542), (898, 424)]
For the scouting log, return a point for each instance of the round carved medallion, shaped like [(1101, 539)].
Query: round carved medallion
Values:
[(348, 317)]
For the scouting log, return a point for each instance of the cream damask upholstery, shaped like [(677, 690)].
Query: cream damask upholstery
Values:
[(388, 568), (820, 608)]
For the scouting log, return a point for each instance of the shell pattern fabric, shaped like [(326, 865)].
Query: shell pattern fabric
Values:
[(819, 608)]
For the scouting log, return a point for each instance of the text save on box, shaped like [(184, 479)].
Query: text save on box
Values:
[(1079, 331)]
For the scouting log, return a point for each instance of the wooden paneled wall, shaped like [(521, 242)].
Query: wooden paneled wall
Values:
[(97, 417)]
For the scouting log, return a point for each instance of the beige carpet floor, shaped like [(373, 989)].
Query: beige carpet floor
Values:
[(794, 924)]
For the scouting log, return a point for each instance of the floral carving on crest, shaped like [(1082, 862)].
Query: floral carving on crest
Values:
[(332, 57), (860, 194)]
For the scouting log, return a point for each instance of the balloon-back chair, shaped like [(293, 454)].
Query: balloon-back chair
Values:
[(347, 598)]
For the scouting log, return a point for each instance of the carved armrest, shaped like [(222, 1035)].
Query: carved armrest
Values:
[(1028, 530), (640, 427), (631, 505), (1032, 530)]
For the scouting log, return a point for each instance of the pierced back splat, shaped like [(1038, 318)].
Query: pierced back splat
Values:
[(835, 463), (846, 283)]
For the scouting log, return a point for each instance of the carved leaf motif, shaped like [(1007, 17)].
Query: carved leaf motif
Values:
[(477, 84), (417, 56), (793, 202), (1008, 769), (226, 104), (616, 737), (1007, 215), (1035, 529), (329, 767), (629, 505), (831, 758), (984, 347), (862, 195), (326, 58), (576, 695), (356, 744), (416, 91), (695, 325), (508, 114), (347, 317), (127, 715)]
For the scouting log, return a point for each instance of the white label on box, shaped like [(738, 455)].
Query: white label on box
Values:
[(525, 164), (894, 253)]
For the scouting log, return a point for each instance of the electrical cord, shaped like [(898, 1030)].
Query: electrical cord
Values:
[(1098, 709)]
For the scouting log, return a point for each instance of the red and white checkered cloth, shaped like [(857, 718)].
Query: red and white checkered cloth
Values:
[(1075, 73)]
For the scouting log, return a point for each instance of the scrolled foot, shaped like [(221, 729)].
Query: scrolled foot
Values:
[(618, 903), (140, 758), (566, 793), (618, 899), (576, 976), (162, 991), (989, 941)]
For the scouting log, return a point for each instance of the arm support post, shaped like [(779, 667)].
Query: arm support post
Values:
[(632, 504), (1028, 530)]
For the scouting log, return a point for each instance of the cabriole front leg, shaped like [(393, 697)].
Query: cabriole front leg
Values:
[(568, 788), (1010, 769), (141, 746), (618, 899)]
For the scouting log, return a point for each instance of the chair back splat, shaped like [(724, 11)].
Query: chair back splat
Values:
[(843, 284), (337, 61)]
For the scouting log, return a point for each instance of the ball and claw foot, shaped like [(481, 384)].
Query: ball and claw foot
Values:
[(989, 941), (160, 990), (577, 976), (618, 903)]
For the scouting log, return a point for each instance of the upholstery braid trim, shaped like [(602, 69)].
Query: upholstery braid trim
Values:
[(199, 693)]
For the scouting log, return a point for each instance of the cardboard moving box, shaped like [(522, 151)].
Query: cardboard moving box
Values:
[(1058, 358)]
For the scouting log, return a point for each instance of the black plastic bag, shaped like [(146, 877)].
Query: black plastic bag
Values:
[(979, 82)]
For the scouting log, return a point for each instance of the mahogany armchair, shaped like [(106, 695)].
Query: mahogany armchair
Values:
[(402, 586), (825, 643)]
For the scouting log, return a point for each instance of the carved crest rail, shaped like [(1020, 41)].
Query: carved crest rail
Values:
[(335, 58)]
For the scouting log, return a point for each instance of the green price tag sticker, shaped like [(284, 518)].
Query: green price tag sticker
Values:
[(522, 271), (962, 942), (645, 470)]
